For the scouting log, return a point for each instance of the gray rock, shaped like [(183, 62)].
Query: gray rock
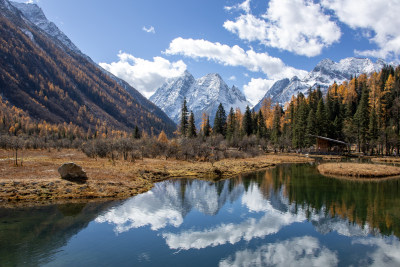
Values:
[(72, 172)]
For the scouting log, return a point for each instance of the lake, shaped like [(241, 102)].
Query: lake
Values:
[(286, 216)]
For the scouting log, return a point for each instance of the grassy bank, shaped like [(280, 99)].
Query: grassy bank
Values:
[(37, 180), (358, 170)]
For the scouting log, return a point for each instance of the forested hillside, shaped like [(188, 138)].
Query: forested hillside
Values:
[(364, 111), (52, 84)]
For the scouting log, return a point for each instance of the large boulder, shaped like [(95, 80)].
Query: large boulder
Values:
[(72, 172)]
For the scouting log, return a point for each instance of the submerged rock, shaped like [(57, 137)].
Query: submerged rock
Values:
[(72, 172)]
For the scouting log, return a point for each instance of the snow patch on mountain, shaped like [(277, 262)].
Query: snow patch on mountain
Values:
[(202, 95), (35, 15), (323, 75)]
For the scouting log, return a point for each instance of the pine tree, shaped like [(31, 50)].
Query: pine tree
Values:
[(362, 119), (320, 127), (220, 121), (261, 127), (184, 119), (311, 127), (207, 127), (373, 126), (276, 125), (247, 123), (231, 124), (136, 133), (191, 131)]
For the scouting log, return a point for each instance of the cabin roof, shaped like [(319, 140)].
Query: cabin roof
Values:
[(330, 140)]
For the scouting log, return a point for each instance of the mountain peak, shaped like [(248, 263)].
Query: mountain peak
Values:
[(202, 95), (323, 75), (35, 15)]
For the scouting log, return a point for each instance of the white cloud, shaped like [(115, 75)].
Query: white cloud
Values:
[(380, 17), (256, 89), (385, 253), (299, 251), (231, 233), (273, 67), (270, 223), (298, 26), (149, 30), (232, 78), (245, 6), (146, 76)]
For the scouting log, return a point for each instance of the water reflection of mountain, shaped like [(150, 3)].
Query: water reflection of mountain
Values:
[(170, 201), (30, 236), (286, 193)]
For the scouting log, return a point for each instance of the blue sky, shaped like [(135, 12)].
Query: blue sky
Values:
[(250, 43)]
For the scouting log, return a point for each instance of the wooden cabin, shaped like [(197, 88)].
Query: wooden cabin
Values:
[(328, 145)]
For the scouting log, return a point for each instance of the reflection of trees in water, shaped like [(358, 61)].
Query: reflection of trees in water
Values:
[(375, 203), (32, 235)]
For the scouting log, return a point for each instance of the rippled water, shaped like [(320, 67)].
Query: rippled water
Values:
[(286, 216)]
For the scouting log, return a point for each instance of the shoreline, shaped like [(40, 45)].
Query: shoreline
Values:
[(37, 181)]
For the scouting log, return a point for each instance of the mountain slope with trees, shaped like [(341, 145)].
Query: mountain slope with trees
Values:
[(56, 85)]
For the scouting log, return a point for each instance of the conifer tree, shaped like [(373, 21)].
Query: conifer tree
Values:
[(247, 122), (220, 121), (205, 125), (276, 125), (191, 131), (362, 119), (136, 133), (311, 127), (261, 127), (320, 127), (184, 119), (231, 124)]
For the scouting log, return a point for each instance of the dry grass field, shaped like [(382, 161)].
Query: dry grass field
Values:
[(358, 170), (38, 180)]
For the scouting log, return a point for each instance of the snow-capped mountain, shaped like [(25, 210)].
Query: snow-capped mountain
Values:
[(35, 15), (324, 74), (202, 95)]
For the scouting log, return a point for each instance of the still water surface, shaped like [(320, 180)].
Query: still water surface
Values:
[(286, 216)]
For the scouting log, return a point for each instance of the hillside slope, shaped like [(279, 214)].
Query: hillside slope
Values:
[(52, 82)]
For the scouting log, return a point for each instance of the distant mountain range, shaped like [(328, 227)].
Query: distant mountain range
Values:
[(202, 95), (323, 75), (46, 75)]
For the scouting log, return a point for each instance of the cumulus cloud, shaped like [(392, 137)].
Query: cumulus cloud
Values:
[(245, 6), (146, 76), (232, 78), (256, 89), (385, 251), (273, 67), (270, 223), (232, 233), (299, 251), (380, 17), (298, 26), (149, 29)]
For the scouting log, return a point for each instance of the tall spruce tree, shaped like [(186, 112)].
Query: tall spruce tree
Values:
[(320, 127), (362, 119), (247, 122), (231, 125), (191, 131), (220, 121), (311, 127), (276, 125), (184, 120), (261, 127), (206, 127)]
